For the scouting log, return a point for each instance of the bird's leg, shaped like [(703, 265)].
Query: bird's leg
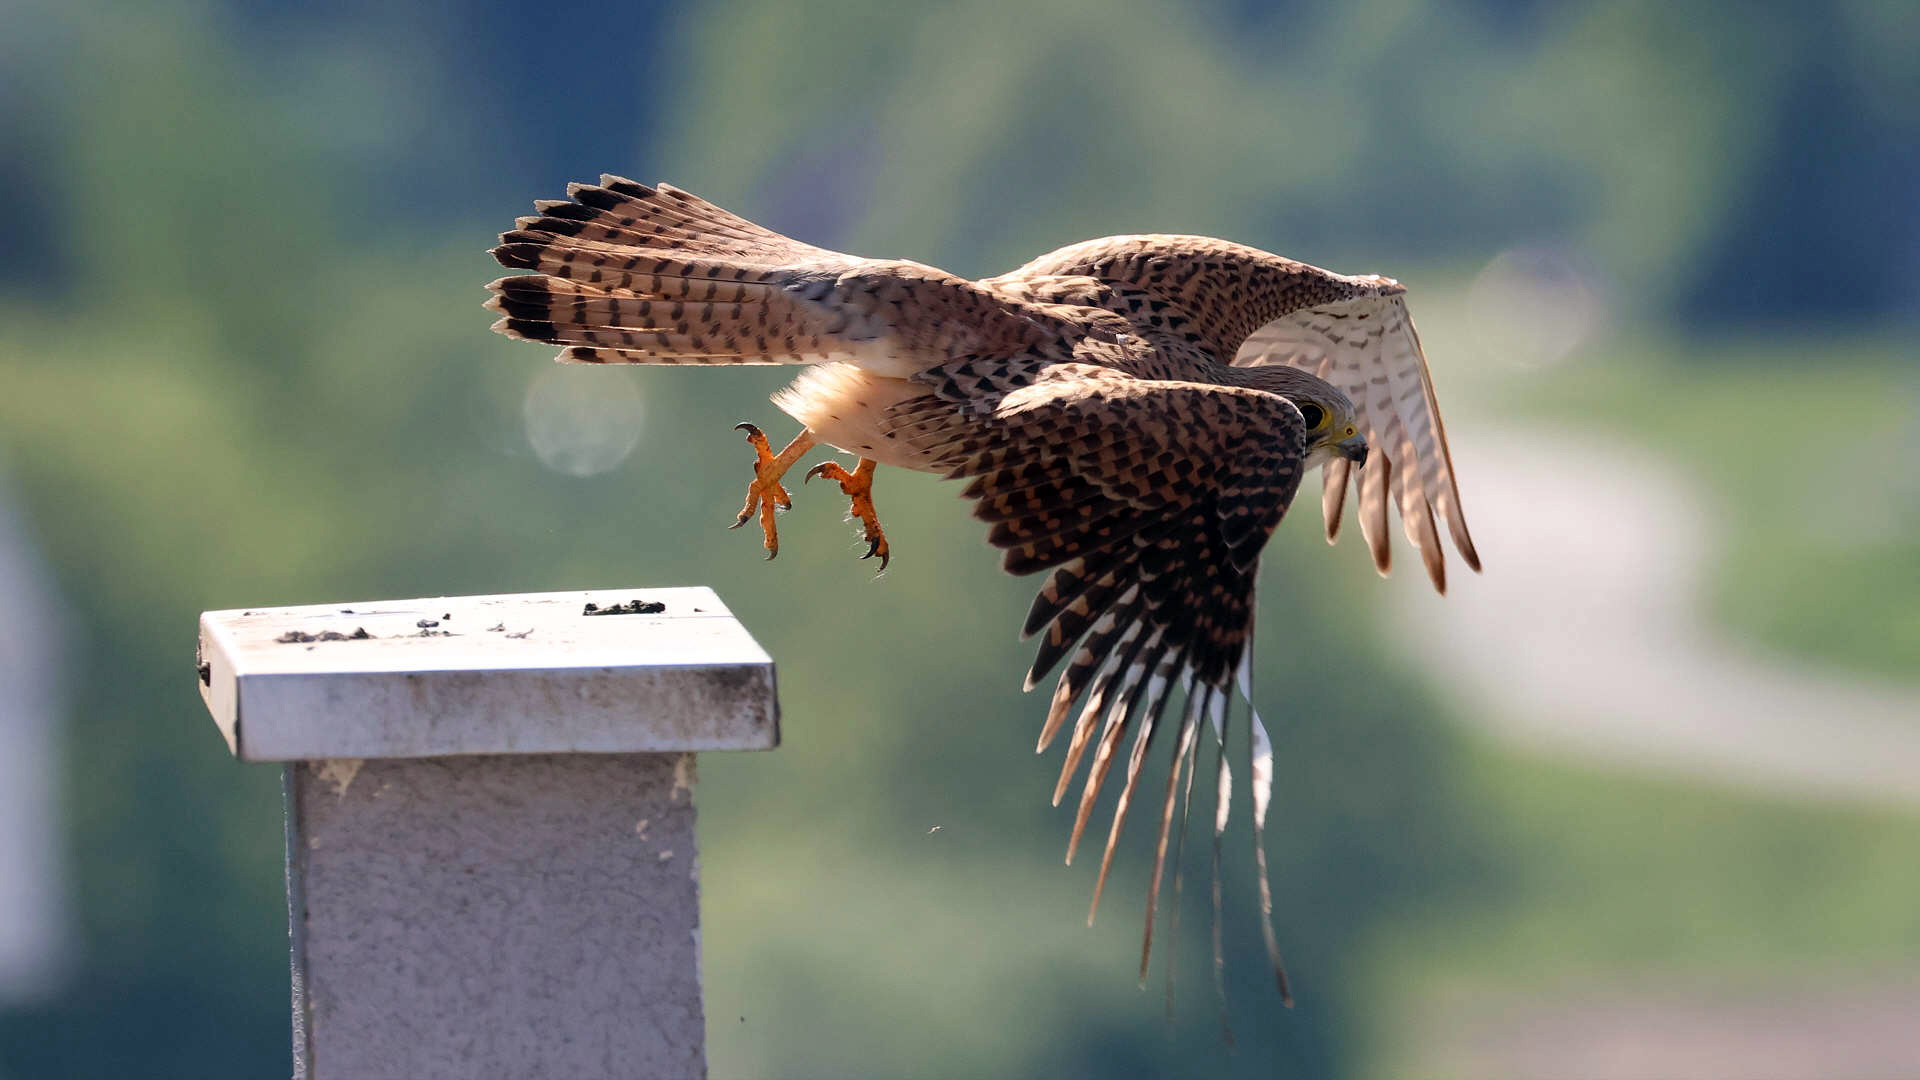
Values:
[(858, 485), (765, 494)]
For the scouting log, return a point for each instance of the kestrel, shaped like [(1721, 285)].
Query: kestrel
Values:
[(1132, 416)]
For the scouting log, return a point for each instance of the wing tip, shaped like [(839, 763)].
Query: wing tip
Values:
[(1468, 554)]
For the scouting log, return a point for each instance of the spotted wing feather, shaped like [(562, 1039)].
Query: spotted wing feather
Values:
[(1147, 502)]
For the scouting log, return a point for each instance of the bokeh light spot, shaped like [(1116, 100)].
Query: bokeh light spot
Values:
[(582, 421), (1533, 306)]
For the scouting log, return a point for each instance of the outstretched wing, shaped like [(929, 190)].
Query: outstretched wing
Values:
[(1149, 503), (1369, 348)]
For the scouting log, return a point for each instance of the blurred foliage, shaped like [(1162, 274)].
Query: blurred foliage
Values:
[(1646, 133), (1618, 884), (242, 363)]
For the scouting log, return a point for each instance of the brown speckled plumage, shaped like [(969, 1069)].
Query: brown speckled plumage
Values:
[(1131, 417)]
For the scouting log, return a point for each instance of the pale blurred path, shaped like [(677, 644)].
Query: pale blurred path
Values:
[(35, 936), (1586, 633), (1650, 1033)]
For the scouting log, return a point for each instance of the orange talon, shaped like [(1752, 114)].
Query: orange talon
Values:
[(765, 494), (858, 485)]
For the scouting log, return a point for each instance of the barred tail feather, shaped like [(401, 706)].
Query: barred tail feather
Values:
[(618, 210), (627, 274)]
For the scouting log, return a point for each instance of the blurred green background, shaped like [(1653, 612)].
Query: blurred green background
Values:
[(243, 363)]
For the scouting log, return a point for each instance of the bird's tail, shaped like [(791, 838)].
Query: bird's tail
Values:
[(631, 274)]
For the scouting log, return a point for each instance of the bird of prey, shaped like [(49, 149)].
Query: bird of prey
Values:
[(1132, 417)]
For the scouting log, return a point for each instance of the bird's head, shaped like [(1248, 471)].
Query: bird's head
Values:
[(1326, 411), (1332, 430)]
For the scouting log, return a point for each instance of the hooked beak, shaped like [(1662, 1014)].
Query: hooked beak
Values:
[(1354, 449)]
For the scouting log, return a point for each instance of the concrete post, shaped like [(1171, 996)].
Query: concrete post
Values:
[(491, 868)]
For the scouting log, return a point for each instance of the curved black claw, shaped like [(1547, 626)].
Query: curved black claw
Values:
[(750, 429), (817, 470), (873, 548)]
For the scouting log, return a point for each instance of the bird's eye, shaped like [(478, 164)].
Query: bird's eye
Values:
[(1313, 414)]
